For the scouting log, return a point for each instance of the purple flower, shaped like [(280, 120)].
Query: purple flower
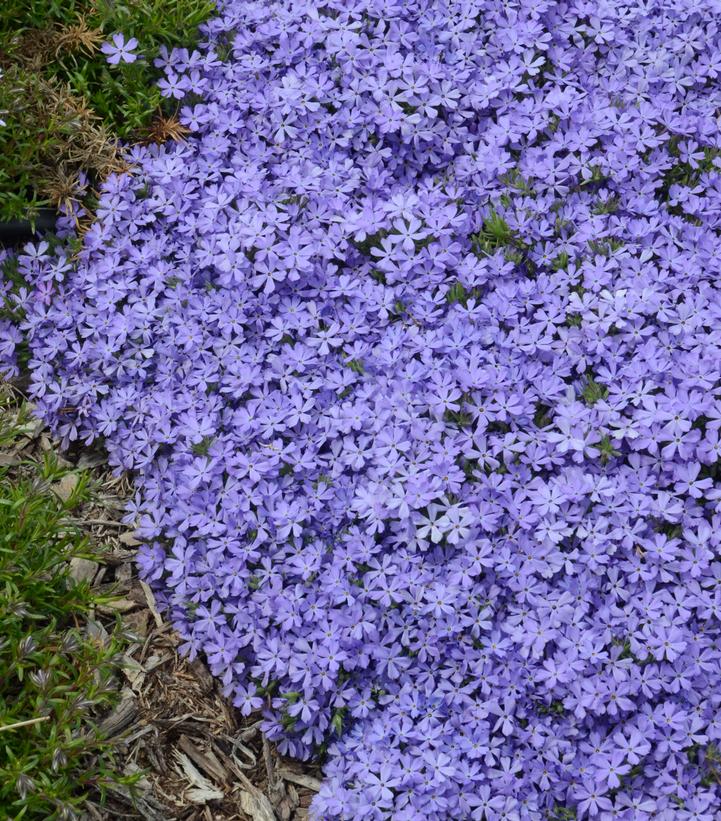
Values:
[(119, 50)]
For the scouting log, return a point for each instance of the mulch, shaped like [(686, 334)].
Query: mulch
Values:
[(199, 757)]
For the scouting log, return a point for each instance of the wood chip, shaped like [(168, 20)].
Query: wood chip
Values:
[(32, 428), (117, 556), (120, 718), (142, 802), (102, 523), (150, 598), (246, 751), (137, 623), (155, 661), (206, 760), (253, 802), (228, 717), (92, 460), (123, 574), (202, 676), (83, 570), (65, 488), (257, 806), (250, 732), (136, 593), (138, 734), (109, 502), (119, 587), (201, 790), (133, 672), (300, 779), (93, 812), (117, 606), (276, 788), (289, 803)]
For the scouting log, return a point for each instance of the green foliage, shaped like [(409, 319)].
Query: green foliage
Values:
[(560, 263), (555, 708), (542, 416), (55, 674), (607, 206), (202, 448), (364, 246), (514, 179), (459, 419), (64, 106), (606, 450), (574, 320), (712, 763), (12, 312), (494, 234), (559, 813), (336, 721), (597, 176), (683, 173), (605, 248), (593, 391), (456, 293)]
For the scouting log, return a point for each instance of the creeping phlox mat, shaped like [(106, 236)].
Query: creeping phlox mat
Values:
[(414, 349)]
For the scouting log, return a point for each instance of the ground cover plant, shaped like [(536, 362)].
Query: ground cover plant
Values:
[(414, 351), (56, 675), (68, 92)]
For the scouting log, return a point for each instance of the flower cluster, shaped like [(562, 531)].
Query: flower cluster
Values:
[(414, 349), (10, 336)]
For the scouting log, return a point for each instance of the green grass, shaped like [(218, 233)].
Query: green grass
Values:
[(56, 678), (64, 106)]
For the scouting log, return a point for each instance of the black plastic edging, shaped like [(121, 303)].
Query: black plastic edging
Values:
[(15, 232)]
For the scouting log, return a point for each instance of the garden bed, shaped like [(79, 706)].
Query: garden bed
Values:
[(411, 352)]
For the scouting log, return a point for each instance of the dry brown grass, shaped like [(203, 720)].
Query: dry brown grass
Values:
[(70, 137), (166, 128), (77, 37), (36, 48)]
